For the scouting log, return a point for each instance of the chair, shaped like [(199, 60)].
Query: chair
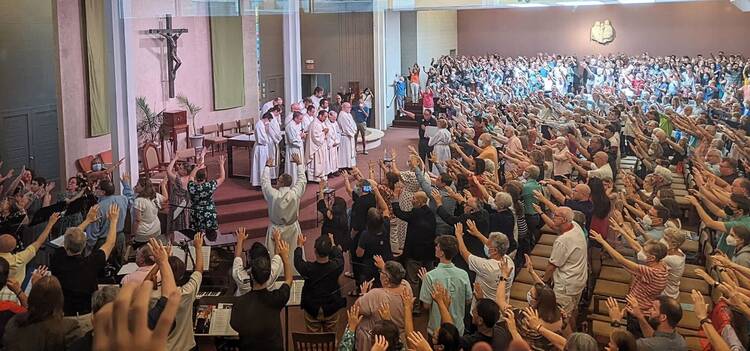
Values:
[(106, 157), (84, 164), (212, 138), (314, 341), (229, 129), (153, 167), (245, 125)]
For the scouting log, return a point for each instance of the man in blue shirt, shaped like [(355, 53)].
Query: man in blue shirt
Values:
[(96, 233), (399, 87), (360, 117)]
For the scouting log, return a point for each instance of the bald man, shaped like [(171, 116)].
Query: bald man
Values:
[(19, 260), (567, 266), (419, 249), (578, 198), (599, 168), (347, 127)]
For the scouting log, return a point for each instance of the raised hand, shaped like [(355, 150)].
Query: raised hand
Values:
[(282, 248), (417, 340), (379, 262), (158, 251), (301, 239), (458, 229), (198, 242), (366, 286), (615, 312), (531, 316), (422, 273), (353, 317), (296, 159), (699, 305), (385, 311), (240, 234), (440, 294), (39, 273), (381, 344), (114, 213), (93, 214)]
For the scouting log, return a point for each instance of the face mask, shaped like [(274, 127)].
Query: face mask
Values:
[(97, 167), (731, 241), (486, 251), (642, 257)]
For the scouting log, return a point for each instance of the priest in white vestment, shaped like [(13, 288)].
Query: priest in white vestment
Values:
[(260, 149), (334, 139), (295, 144), (275, 134), (308, 117), (317, 155), (347, 127), (440, 142), (296, 107), (268, 105), (283, 205)]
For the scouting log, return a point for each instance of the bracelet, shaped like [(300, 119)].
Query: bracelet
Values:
[(503, 279), (705, 320), (539, 328), (715, 284), (615, 324)]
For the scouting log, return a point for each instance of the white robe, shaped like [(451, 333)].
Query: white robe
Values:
[(334, 139), (283, 210), (347, 151), (267, 106), (317, 158), (260, 150), (441, 142), (295, 144), (273, 146)]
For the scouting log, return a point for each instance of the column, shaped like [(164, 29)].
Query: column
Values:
[(121, 91), (381, 92), (292, 54)]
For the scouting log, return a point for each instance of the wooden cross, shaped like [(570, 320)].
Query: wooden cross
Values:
[(173, 61)]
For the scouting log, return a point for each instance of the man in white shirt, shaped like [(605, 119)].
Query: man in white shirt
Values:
[(600, 168), (317, 160), (295, 144), (568, 266), (260, 149), (334, 139), (347, 152), (488, 270), (241, 275), (267, 106)]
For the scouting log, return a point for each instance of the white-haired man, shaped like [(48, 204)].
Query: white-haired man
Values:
[(567, 266)]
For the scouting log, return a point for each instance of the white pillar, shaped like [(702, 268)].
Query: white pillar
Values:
[(382, 93), (386, 27), (292, 54), (120, 90)]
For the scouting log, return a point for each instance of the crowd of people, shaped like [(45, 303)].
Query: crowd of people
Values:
[(579, 155)]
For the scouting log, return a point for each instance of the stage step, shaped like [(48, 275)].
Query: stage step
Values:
[(404, 123), (257, 227)]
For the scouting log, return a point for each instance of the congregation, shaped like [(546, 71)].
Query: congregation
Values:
[(548, 202)]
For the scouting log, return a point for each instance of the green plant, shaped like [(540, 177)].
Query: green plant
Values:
[(150, 124), (191, 108)]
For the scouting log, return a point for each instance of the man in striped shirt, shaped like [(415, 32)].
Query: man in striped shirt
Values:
[(649, 277)]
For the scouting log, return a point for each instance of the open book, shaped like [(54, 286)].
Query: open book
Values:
[(214, 320)]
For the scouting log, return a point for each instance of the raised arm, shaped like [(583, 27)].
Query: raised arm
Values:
[(282, 248), (628, 264), (459, 232), (109, 242), (710, 222), (161, 257), (222, 172), (47, 229)]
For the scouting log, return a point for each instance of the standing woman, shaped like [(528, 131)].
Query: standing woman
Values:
[(203, 217), (147, 205), (440, 142), (602, 208), (179, 199)]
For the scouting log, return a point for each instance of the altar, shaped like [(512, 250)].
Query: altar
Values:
[(240, 141)]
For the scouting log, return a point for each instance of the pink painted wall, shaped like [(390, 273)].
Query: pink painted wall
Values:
[(194, 78), (687, 28)]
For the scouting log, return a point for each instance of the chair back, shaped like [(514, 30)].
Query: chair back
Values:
[(314, 341), (151, 159), (210, 129), (106, 157), (84, 164), (229, 126)]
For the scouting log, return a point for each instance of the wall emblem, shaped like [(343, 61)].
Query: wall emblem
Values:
[(602, 32)]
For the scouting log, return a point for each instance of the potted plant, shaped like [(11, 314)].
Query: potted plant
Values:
[(196, 140), (150, 124)]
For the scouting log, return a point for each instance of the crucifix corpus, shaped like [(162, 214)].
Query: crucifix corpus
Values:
[(173, 61)]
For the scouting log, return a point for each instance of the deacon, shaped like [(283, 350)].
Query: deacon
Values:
[(347, 127), (317, 159), (334, 139), (276, 134), (296, 107), (273, 103), (260, 149), (283, 205), (309, 117), (295, 145)]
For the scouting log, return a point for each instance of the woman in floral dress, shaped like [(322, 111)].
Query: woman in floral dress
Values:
[(203, 215)]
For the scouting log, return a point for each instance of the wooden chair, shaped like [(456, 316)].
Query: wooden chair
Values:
[(106, 157), (186, 154), (84, 164), (212, 138), (314, 341), (230, 129), (153, 167)]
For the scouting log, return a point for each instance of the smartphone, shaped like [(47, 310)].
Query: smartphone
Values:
[(367, 188)]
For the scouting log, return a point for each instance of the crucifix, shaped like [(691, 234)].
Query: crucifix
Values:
[(173, 61)]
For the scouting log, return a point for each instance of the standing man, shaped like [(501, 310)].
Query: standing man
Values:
[(276, 135), (424, 122), (260, 149), (334, 140), (97, 232), (336, 105), (317, 152), (283, 205), (295, 144), (296, 107), (347, 149), (568, 266), (317, 96), (361, 116), (273, 103), (399, 87)]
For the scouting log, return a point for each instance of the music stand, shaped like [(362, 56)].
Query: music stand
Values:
[(44, 213)]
